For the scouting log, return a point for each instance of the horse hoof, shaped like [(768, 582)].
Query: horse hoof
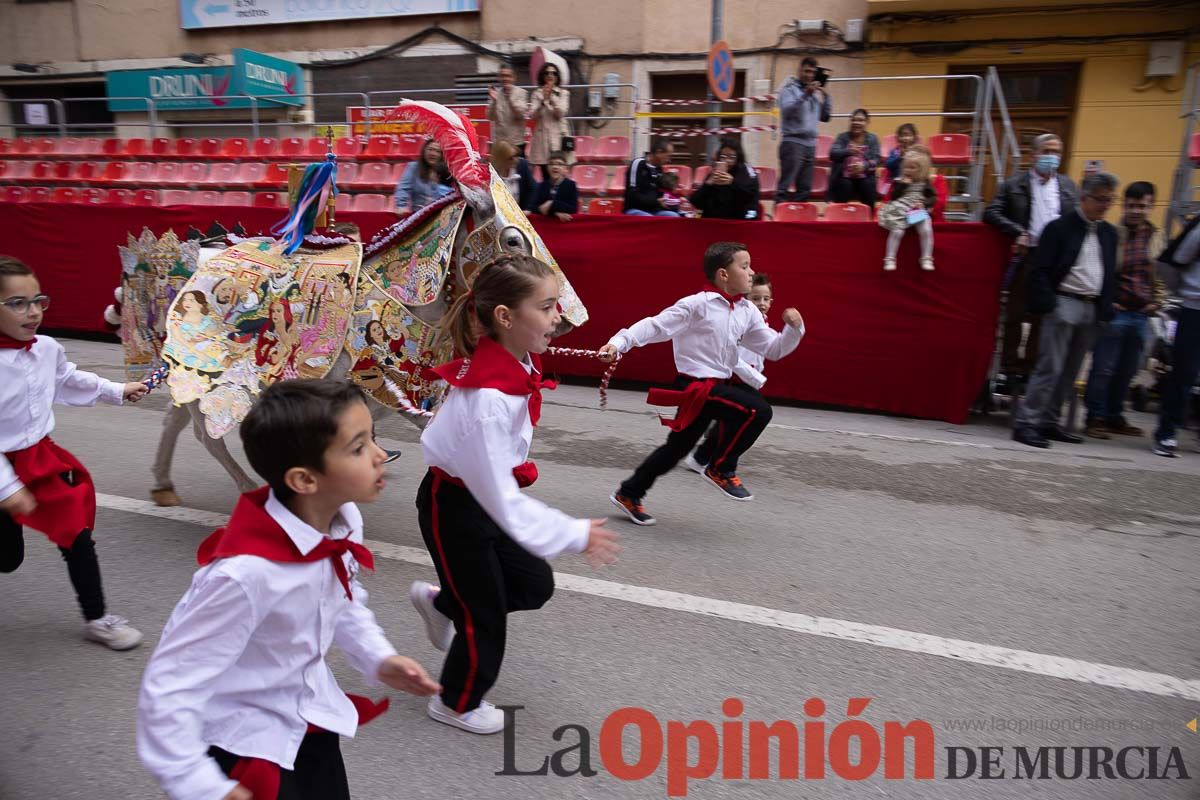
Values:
[(164, 497)]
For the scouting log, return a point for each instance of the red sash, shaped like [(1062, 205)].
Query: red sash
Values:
[(252, 531), (66, 506), (526, 475), (690, 400), (493, 367)]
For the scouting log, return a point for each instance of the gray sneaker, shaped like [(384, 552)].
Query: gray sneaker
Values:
[(1165, 448), (113, 632)]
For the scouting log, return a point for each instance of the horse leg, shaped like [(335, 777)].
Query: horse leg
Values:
[(174, 421), (216, 448)]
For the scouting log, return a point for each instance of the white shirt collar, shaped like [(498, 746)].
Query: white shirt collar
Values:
[(305, 536)]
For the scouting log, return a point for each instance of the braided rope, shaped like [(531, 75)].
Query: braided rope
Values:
[(608, 373)]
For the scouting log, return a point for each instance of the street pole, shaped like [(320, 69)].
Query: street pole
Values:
[(710, 145)]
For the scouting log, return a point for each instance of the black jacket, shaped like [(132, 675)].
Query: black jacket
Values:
[(641, 187), (527, 186), (1012, 206), (566, 197), (1058, 248), (728, 202)]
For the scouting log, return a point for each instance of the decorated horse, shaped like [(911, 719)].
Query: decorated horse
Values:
[(311, 302)]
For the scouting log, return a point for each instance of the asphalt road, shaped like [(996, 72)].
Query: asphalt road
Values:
[(1008, 597)]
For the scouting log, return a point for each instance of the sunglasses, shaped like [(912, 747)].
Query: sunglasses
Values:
[(21, 305)]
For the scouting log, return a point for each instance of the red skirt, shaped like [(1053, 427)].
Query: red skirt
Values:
[(66, 498)]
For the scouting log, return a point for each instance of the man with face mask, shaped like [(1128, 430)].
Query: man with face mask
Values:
[(1021, 210)]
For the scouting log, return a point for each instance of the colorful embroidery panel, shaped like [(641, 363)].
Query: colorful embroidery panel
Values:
[(153, 271), (413, 270)]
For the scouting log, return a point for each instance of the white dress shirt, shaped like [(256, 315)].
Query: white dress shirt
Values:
[(1087, 274), (479, 436), (241, 662), (31, 382), (749, 368), (1045, 204), (705, 334)]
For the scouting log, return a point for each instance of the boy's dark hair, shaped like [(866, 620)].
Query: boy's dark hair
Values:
[(761, 279), (720, 254), (13, 267), (1139, 189), (808, 61), (907, 126), (292, 425), (660, 146)]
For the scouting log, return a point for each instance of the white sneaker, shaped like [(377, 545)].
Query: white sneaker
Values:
[(927, 264), (113, 632), (483, 720), (438, 627), (889, 265), (691, 463)]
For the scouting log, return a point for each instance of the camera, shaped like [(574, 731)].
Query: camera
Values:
[(822, 76)]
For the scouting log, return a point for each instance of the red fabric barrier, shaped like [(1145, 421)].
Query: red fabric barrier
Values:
[(906, 342)]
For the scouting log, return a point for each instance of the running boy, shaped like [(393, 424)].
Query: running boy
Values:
[(41, 484), (237, 700), (705, 330)]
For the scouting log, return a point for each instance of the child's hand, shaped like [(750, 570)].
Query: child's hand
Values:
[(609, 353), (134, 391), (407, 675), (602, 547), (792, 317), (21, 504), (239, 792)]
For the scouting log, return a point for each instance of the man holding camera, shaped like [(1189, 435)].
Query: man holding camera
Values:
[(506, 110), (803, 102)]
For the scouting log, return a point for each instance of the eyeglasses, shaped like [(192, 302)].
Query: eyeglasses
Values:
[(1104, 200), (21, 305)]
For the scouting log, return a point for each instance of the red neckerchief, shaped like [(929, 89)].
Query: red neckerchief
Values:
[(493, 367), (251, 531), (732, 299), (9, 343)]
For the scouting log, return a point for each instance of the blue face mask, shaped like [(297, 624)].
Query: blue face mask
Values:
[(1047, 164)]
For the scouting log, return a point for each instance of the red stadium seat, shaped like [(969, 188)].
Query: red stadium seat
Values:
[(889, 143), (292, 147), (65, 194), (114, 172), (589, 178), (684, 173), (605, 207), (768, 180), (701, 175), (235, 148), (222, 175), (206, 197), (236, 199), (347, 147), (68, 147), (349, 171), (19, 171), (139, 174), (135, 148), (61, 172), (38, 194), (372, 202), (25, 146), (162, 147), (5, 171), (410, 146), (616, 185), (612, 149), (42, 171), (820, 181), (265, 148), (90, 147), (824, 143), (14, 194), (193, 173), (6, 146), (795, 212), (270, 199), (847, 212), (185, 148), (45, 146), (176, 197), (88, 172), (950, 148), (316, 148), (250, 173), (168, 172), (92, 196), (585, 148), (380, 147), (146, 197), (373, 176), (210, 147), (275, 177), (118, 197), (112, 147)]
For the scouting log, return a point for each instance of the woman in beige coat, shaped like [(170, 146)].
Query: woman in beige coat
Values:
[(548, 108)]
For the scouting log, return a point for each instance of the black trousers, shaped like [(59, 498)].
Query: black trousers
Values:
[(716, 432), (319, 772), (484, 575), (82, 566), (745, 415), (845, 190)]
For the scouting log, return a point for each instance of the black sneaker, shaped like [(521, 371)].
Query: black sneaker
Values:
[(1165, 448), (633, 509), (731, 485)]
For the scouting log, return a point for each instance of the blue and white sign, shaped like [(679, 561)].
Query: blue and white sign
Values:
[(235, 13), (260, 75)]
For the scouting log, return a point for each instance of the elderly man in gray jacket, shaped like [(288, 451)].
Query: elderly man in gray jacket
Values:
[(802, 104)]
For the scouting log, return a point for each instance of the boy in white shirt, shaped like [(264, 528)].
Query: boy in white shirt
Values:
[(42, 485), (706, 330), (237, 701)]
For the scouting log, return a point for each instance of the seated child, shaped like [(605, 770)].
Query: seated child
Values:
[(912, 197), (237, 700)]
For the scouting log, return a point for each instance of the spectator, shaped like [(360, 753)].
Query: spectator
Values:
[(642, 190), (1021, 209), (548, 108), (1140, 294), (906, 137), (1074, 284), (424, 180), (855, 157), (938, 182), (514, 171), (506, 110), (557, 196), (670, 198), (1182, 275), (731, 190), (802, 103)]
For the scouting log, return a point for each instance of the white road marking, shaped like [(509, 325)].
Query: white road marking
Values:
[(879, 636)]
